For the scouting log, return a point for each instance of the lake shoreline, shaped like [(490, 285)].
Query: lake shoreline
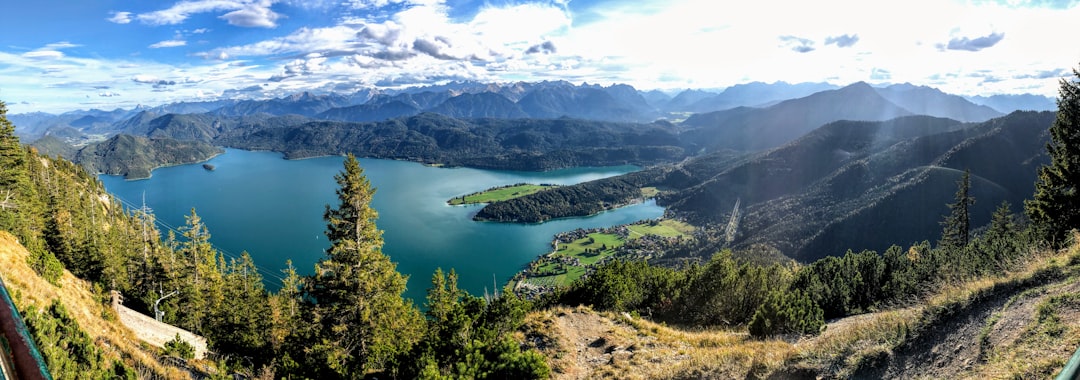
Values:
[(272, 208)]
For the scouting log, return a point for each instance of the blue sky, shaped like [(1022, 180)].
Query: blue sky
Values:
[(61, 55)]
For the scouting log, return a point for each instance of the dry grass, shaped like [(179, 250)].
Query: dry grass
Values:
[(847, 342), (30, 289), (590, 344), (582, 343)]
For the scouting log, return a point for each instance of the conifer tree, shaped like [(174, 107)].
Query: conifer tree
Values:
[(1056, 207), (202, 289), (12, 154), (956, 232), (243, 323), (14, 177), (363, 320)]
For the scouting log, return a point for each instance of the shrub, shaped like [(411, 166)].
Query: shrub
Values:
[(179, 347), (786, 312)]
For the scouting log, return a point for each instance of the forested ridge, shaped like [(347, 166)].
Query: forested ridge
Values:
[(846, 185), (348, 319)]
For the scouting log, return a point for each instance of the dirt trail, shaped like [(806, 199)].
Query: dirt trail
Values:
[(956, 347)]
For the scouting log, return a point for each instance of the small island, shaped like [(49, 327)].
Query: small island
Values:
[(209, 167), (500, 193)]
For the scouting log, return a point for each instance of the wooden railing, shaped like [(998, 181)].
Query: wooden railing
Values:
[(20, 356)]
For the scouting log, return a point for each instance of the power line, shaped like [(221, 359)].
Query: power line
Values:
[(266, 273)]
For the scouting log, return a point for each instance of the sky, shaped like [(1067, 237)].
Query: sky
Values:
[(62, 55)]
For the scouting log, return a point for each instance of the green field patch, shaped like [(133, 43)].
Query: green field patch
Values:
[(649, 192), (665, 228), (560, 275), (501, 193), (570, 261), (590, 249)]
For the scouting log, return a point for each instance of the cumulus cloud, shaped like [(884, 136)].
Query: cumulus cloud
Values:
[(844, 40), (168, 44), (152, 80), (973, 44), (254, 15), (245, 13), (120, 17), (797, 44), (547, 47)]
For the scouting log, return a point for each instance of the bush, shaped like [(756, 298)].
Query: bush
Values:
[(786, 312), (179, 347), (46, 265)]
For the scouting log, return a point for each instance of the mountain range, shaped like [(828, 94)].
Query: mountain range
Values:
[(553, 99)]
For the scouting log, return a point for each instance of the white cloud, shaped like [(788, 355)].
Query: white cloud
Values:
[(44, 54), (61, 45), (49, 52), (253, 15), (246, 13), (120, 17), (168, 44), (143, 78), (302, 41), (646, 43)]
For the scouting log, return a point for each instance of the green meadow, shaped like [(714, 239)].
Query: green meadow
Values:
[(498, 194)]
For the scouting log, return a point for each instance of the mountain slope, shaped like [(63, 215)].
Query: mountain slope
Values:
[(482, 105), (577, 102), (1011, 103), (871, 198), (756, 94), (900, 204), (370, 112), (754, 129), (520, 144), (924, 100), (134, 156), (112, 342), (305, 103)]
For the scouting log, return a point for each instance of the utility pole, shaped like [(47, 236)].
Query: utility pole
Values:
[(157, 312)]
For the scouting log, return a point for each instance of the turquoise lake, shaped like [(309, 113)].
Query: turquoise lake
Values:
[(272, 208)]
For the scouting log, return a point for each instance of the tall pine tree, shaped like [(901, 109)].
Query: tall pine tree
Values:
[(363, 322), (1056, 207), (14, 177), (956, 228)]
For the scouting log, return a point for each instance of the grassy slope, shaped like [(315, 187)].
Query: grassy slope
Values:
[(1022, 339), (498, 194), (114, 340)]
